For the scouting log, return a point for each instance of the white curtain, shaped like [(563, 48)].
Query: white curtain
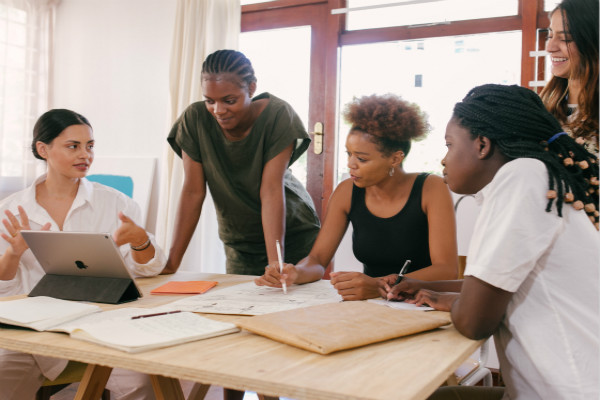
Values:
[(201, 27), (26, 28)]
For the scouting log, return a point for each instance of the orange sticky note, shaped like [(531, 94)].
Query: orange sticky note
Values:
[(184, 287)]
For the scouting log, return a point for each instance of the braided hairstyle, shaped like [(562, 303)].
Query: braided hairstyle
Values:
[(515, 119), (391, 121), (229, 61)]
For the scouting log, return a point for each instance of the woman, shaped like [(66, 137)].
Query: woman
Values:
[(396, 215), (532, 270), (571, 95), (62, 199), (242, 146)]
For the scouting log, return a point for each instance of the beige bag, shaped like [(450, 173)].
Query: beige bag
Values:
[(332, 327)]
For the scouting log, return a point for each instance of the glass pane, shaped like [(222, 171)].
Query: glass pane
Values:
[(281, 61), (433, 73), (549, 5), (427, 12), (244, 2)]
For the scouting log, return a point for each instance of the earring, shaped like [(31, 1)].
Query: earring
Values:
[(391, 171)]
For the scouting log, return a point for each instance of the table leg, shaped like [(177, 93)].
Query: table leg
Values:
[(93, 382), (166, 388), (198, 392)]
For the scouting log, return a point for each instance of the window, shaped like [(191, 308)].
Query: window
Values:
[(445, 76), (386, 13), (23, 87)]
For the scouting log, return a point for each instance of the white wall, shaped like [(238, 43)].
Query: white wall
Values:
[(111, 64)]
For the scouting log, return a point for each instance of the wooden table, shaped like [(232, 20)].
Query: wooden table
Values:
[(409, 368)]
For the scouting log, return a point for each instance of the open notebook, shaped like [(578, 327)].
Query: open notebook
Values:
[(128, 329)]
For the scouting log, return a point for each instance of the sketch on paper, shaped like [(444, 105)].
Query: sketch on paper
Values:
[(249, 299)]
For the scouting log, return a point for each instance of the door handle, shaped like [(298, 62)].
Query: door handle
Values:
[(318, 138)]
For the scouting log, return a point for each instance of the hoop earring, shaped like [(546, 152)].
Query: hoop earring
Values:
[(391, 172)]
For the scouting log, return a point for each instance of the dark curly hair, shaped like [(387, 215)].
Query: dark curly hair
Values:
[(391, 121), (514, 119)]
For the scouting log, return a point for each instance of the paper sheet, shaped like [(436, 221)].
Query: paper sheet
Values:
[(249, 299), (400, 305)]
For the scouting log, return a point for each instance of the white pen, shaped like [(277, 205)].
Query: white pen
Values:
[(280, 265)]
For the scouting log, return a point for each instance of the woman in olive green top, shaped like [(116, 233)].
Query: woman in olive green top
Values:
[(242, 147)]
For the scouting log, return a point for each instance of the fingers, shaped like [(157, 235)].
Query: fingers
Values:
[(124, 218), (11, 224), (46, 226), (271, 277), (24, 217), (424, 297), (14, 225), (384, 290), (9, 228), (342, 276)]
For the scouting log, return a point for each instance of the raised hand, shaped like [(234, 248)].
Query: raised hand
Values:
[(129, 232), (14, 226)]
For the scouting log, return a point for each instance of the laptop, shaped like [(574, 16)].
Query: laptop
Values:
[(85, 266)]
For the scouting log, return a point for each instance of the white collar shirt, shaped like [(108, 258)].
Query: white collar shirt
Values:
[(94, 209)]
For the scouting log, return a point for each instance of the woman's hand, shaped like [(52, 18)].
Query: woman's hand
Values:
[(129, 232), (355, 285), (441, 301), (14, 228), (406, 289), (273, 278)]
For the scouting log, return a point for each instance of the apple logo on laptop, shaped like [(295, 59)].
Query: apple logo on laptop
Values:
[(80, 264)]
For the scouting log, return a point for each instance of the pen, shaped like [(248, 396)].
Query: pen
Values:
[(402, 271), (155, 315), (280, 265)]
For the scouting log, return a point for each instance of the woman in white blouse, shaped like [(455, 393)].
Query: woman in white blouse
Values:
[(62, 199)]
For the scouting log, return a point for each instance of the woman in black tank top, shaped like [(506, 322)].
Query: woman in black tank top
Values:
[(396, 216)]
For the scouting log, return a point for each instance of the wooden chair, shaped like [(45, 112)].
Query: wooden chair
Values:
[(72, 373)]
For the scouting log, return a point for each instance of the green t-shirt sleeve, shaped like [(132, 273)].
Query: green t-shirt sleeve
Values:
[(185, 132), (287, 128)]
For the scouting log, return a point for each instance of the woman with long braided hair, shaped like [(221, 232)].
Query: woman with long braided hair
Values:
[(241, 146), (532, 271)]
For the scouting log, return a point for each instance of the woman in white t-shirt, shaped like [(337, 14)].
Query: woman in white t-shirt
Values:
[(532, 268), (62, 199)]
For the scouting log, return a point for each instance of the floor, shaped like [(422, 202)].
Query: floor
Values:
[(214, 393)]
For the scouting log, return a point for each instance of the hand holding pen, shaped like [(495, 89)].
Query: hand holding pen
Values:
[(279, 258), (399, 278), (402, 271)]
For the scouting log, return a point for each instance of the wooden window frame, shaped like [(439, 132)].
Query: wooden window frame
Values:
[(531, 17)]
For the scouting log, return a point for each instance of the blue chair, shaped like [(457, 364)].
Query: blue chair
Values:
[(122, 183)]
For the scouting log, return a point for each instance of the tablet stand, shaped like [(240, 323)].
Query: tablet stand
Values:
[(86, 288)]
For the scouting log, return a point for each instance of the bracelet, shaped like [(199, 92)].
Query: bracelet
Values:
[(142, 246)]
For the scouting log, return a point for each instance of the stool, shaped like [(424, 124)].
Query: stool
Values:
[(72, 373)]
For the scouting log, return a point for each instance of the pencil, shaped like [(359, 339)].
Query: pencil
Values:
[(280, 265)]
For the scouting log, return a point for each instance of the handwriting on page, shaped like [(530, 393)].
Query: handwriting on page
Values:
[(249, 299)]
